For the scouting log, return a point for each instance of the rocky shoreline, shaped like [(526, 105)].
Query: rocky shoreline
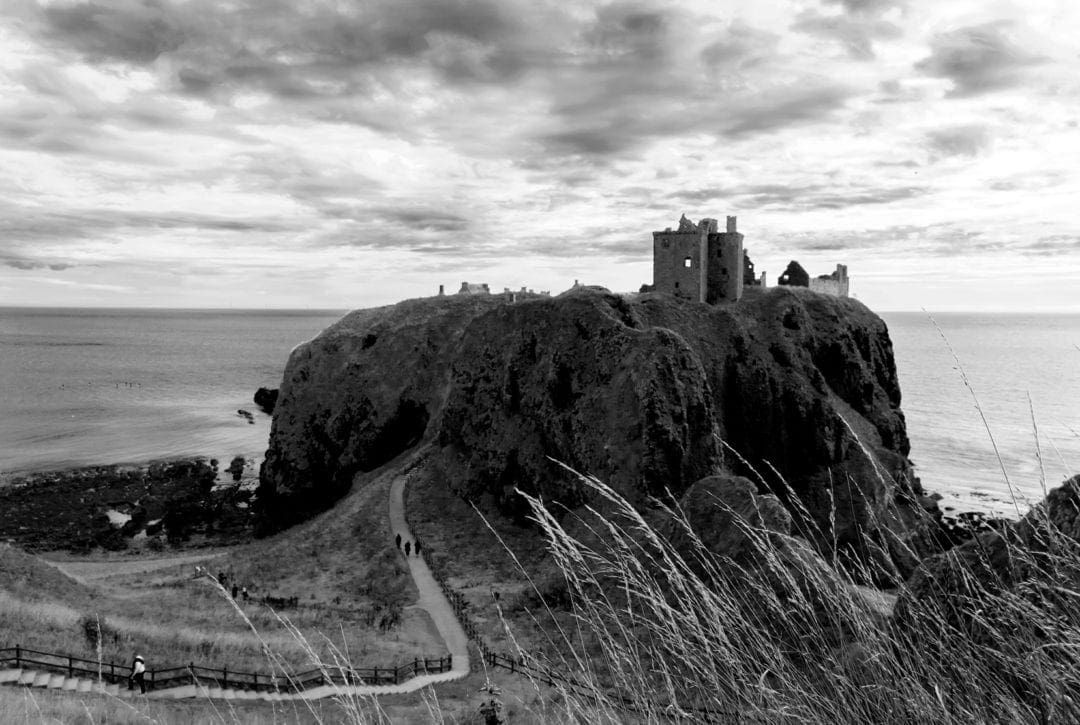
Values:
[(174, 503)]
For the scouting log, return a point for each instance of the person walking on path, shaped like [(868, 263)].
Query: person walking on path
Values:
[(417, 547), (397, 541), (406, 548), (138, 674)]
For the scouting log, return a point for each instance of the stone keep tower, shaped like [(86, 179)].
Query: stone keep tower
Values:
[(699, 262)]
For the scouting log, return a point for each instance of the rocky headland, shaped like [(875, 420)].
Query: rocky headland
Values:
[(794, 391)]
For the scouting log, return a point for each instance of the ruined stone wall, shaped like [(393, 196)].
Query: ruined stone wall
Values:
[(835, 284), (677, 263), (725, 280), (828, 286)]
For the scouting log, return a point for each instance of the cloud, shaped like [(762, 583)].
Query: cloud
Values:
[(123, 30), (647, 72), (741, 47), (903, 240), (856, 34), (29, 226), (798, 198), (968, 140), (793, 106), (323, 49), (1053, 245), (427, 220), (979, 59), (29, 264), (867, 7)]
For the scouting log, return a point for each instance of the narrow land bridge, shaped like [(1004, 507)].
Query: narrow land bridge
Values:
[(59, 672)]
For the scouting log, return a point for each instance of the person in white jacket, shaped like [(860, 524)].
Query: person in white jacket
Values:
[(138, 674)]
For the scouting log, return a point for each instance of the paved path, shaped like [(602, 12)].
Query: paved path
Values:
[(431, 599)]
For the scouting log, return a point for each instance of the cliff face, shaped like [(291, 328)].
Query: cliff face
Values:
[(649, 394), (355, 397)]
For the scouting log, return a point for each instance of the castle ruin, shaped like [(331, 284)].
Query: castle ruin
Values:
[(699, 262), (835, 284)]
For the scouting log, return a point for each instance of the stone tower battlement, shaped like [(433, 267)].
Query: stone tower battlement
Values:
[(699, 262)]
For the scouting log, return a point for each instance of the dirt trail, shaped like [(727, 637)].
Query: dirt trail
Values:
[(89, 571)]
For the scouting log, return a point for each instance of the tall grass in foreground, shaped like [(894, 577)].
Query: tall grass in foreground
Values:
[(677, 633)]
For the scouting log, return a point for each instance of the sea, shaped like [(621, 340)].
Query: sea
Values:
[(991, 400), (98, 386)]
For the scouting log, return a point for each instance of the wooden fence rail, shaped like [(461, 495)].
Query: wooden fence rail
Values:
[(223, 677)]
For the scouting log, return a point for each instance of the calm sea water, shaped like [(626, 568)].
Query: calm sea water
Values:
[(1008, 359), (80, 387)]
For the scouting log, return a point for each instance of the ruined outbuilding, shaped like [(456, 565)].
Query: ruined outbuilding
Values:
[(699, 262), (794, 276), (835, 283), (473, 288)]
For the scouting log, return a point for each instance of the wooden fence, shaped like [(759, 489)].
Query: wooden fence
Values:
[(222, 677)]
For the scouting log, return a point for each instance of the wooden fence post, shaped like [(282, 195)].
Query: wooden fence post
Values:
[(191, 669), (18, 657), (224, 678), (112, 670)]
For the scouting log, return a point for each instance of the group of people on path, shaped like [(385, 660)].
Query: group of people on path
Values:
[(238, 591), (409, 546)]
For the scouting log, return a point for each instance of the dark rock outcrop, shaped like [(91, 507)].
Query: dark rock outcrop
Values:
[(727, 515), (1031, 558), (794, 390), (358, 395), (266, 399)]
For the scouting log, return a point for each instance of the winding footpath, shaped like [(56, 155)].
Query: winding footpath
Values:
[(431, 599)]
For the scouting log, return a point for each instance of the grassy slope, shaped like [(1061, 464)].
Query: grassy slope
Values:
[(476, 563), (21, 705), (456, 702), (342, 565)]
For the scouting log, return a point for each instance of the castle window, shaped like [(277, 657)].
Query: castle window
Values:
[(688, 262)]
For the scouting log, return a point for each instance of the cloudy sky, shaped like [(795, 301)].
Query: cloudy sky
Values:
[(285, 153)]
